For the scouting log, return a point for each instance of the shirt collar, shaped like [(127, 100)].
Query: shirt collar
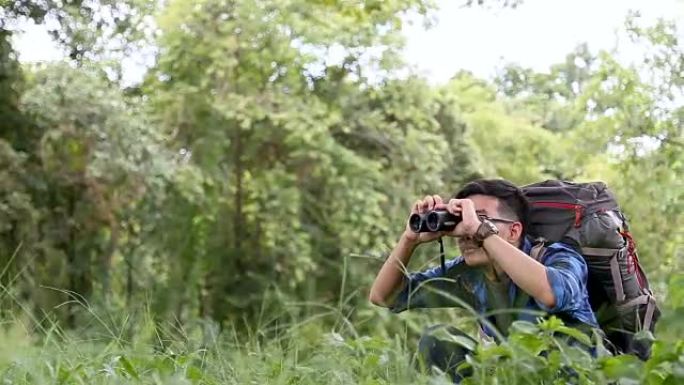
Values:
[(526, 246)]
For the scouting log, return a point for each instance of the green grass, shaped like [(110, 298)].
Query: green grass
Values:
[(307, 352), (321, 345)]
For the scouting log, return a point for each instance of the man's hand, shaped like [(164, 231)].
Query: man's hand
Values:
[(470, 221), (422, 206), (391, 277)]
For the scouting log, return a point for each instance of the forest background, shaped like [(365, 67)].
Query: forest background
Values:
[(221, 221)]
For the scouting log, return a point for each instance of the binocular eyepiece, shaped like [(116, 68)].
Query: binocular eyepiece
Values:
[(433, 221)]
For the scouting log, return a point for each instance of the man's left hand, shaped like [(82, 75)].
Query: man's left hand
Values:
[(470, 221)]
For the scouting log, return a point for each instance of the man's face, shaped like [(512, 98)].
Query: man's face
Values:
[(489, 206)]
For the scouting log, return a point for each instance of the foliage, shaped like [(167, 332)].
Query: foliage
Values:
[(85, 29), (309, 352), (92, 158)]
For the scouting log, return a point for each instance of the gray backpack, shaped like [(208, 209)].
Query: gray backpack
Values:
[(587, 217)]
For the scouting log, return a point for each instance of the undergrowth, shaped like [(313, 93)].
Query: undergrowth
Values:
[(305, 353)]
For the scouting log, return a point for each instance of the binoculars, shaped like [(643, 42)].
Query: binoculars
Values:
[(433, 221)]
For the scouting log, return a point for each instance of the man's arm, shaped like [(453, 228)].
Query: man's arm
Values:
[(524, 271), (391, 277), (567, 274)]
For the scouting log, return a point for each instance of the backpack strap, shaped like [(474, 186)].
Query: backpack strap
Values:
[(615, 273), (650, 309), (650, 302), (538, 250)]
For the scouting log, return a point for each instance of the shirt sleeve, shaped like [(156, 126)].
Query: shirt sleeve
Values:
[(567, 275), (432, 288)]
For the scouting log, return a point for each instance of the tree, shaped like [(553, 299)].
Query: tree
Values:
[(94, 158), (286, 195)]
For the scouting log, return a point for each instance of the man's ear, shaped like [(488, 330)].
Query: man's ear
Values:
[(515, 231)]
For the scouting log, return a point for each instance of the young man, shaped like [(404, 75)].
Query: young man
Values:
[(494, 272)]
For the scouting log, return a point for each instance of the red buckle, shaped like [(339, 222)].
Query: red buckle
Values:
[(633, 258)]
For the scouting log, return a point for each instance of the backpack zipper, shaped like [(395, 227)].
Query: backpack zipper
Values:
[(568, 206)]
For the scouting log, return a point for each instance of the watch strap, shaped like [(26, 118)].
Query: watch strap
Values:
[(486, 229)]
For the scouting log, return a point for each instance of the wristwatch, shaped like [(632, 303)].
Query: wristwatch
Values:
[(486, 229)]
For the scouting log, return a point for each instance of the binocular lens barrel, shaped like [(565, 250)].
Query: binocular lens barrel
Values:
[(417, 224), (441, 221), (433, 221)]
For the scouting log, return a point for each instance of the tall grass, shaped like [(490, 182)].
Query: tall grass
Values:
[(136, 349), (305, 353), (329, 344)]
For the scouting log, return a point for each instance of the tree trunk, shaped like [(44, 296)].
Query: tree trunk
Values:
[(238, 220)]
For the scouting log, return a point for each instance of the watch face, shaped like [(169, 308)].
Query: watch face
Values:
[(488, 229)]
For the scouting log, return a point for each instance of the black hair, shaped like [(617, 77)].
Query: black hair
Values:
[(512, 201)]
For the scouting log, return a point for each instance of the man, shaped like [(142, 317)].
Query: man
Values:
[(494, 272)]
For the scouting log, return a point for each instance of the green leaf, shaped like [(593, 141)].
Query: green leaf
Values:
[(576, 334), (524, 327), (128, 367), (622, 367), (466, 342), (193, 373)]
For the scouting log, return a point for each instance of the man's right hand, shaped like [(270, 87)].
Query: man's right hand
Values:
[(391, 277), (421, 206)]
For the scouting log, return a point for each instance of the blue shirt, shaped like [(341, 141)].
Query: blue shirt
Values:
[(465, 285)]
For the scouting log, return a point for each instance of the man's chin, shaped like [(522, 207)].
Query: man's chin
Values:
[(474, 257)]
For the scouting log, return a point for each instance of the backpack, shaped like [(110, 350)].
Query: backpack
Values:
[(587, 217)]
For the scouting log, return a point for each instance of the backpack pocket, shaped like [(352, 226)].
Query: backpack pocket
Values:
[(636, 315), (602, 230)]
